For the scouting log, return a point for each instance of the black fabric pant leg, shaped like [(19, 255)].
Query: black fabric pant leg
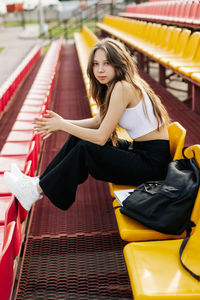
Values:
[(73, 165), (67, 147)]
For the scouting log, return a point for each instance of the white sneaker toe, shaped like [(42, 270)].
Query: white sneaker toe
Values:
[(21, 188), (14, 169)]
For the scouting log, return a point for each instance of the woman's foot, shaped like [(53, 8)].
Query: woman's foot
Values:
[(24, 189), (14, 169)]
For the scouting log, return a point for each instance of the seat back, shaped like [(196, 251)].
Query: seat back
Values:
[(89, 36), (191, 254), (7, 262), (184, 10), (161, 37), (192, 11), (13, 214), (182, 41), (196, 18), (155, 33), (197, 56), (177, 135), (195, 216), (192, 45), (173, 37), (171, 9)]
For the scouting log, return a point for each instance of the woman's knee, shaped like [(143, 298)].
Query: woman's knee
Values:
[(88, 146)]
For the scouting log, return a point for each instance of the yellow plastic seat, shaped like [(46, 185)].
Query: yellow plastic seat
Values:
[(176, 138), (196, 76), (169, 42), (84, 41), (188, 70), (90, 38), (162, 38), (155, 270), (131, 230), (177, 135), (123, 134), (189, 52), (139, 35), (193, 66), (149, 39), (177, 52)]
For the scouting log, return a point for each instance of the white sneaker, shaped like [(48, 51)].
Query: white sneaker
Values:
[(23, 189), (14, 169)]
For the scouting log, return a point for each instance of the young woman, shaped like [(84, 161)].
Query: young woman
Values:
[(93, 147)]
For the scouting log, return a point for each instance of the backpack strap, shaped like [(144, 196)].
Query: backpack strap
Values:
[(183, 245), (118, 206)]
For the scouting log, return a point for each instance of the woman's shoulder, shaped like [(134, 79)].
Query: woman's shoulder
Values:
[(124, 86), (128, 91)]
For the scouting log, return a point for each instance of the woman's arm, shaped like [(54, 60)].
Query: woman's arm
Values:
[(87, 123), (100, 135)]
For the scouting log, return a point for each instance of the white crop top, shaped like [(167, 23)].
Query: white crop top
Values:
[(137, 120)]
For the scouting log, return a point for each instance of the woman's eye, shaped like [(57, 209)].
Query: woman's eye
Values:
[(95, 64), (107, 63)]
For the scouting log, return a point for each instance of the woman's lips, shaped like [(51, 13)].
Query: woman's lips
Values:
[(102, 77)]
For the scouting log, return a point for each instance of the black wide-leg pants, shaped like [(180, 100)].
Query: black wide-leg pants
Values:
[(127, 163)]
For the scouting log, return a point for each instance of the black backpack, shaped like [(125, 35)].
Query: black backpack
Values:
[(166, 205)]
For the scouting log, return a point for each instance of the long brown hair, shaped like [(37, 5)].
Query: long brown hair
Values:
[(125, 69)]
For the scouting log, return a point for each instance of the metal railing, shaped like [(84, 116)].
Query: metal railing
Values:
[(89, 15)]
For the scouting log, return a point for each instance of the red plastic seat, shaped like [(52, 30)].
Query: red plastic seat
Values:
[(192, 12), (4, 204), (21, 125), (6, 260), (19, 136), (15, 148), (20, 153), (13, 214), (184, 12), (33, 102), (172, 10), (196, 19), (1, 237), (3, 188), (6, 161), (31, 109), (35, 95), (27, 116)]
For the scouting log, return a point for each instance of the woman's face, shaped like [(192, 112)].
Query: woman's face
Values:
[(103, 71)]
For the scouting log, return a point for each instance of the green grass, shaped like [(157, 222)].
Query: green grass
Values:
[(18, 23), (58, 30)]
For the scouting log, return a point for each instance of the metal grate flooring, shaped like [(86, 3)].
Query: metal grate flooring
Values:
[(73, 254), (74, 267)]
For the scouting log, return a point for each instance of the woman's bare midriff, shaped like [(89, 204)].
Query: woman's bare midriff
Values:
[(162, 134)]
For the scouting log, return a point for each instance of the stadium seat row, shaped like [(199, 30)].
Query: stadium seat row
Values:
[(22, 147), (10, 86), (181, 13), (168, 279), (171, 47)]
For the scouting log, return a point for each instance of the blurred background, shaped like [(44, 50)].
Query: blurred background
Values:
[(47, 12)]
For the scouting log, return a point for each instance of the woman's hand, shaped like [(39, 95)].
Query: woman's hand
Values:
[(48, 124)]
